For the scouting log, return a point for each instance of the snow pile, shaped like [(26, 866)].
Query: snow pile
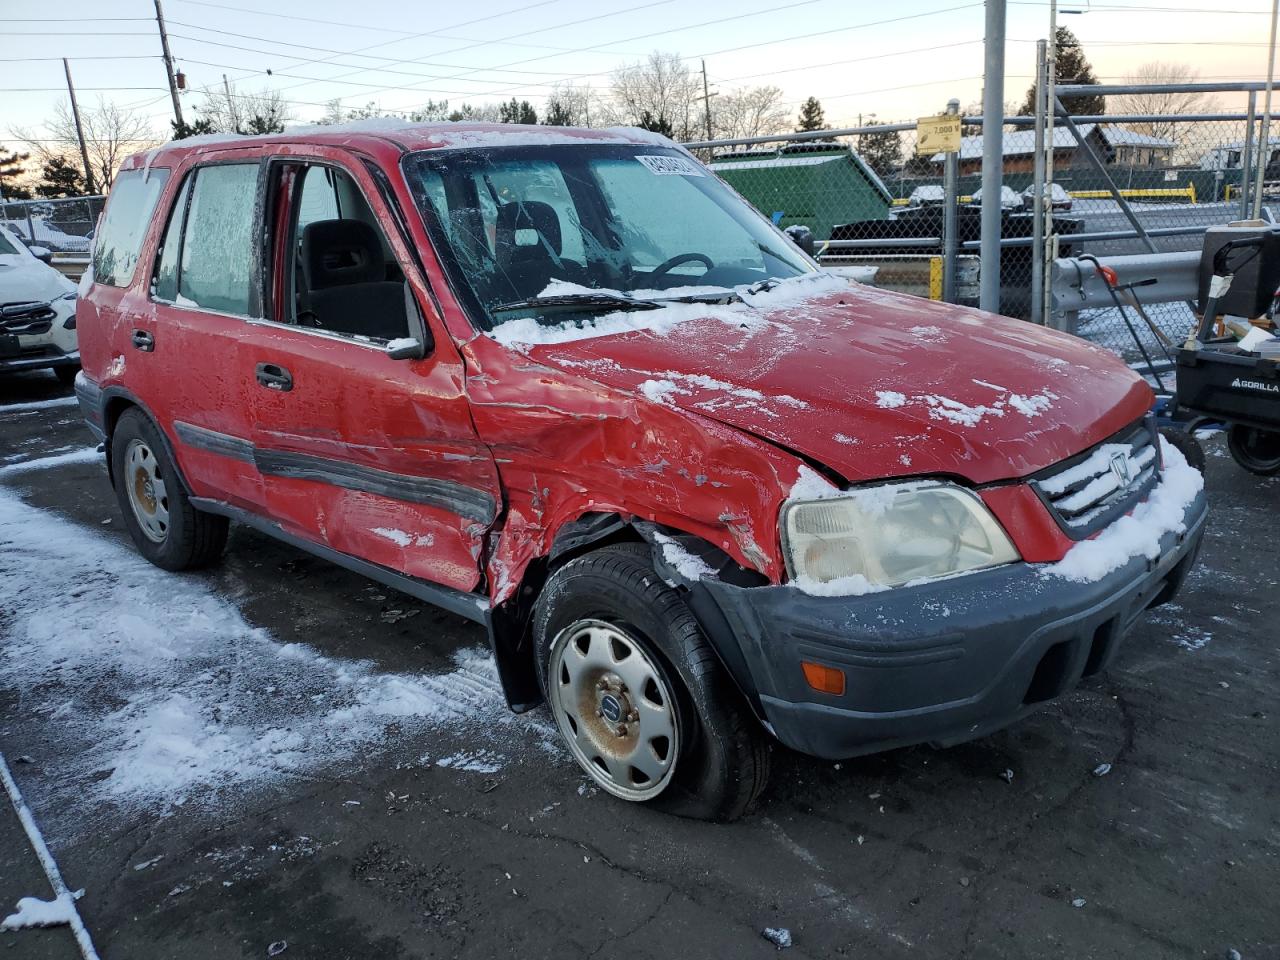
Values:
[(660, 391), (527, 331), (33, 912), (890, 399), (664, 387), (1139, 533), (159, 689)]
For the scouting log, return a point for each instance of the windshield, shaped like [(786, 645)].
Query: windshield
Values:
[(5, 246), (644, 221)]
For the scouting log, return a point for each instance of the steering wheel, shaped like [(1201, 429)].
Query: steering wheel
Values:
[(666, 266)]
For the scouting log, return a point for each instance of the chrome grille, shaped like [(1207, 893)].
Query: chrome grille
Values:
[(26, 319), (1088, 491)]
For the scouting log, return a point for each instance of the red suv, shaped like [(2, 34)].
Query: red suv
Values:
[(567, 384)]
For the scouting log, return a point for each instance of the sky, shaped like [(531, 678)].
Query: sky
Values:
[(893, 61)]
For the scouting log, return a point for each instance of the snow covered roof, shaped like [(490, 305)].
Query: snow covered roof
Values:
[(1022, 142), (412, 136)]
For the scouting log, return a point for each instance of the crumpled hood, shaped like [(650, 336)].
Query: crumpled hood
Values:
[(875, 384), (25, 279)]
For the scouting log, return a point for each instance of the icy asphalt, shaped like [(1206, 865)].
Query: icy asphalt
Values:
[(279, 752)]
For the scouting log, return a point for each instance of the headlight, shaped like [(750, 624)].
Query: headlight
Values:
[(891, 535)]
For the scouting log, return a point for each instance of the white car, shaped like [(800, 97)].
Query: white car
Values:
[(1009, 200), (37, 312)]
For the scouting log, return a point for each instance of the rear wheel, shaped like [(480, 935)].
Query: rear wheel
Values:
[(1258, 451), (166, 528), (639, 695)]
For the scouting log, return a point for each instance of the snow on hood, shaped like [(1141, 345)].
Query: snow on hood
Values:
[(23, 279), (870, 383)]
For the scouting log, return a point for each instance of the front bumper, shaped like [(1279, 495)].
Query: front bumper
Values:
[(48, 358), (942, 662)]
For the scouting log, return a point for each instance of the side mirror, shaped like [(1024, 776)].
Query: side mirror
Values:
[(43, 254), (802, 237), (419, 343)]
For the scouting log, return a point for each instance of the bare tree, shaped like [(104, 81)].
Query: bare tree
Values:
[(111, 133), (661, 86), (580, 105), (229, 111), (1170, 105), (749, 112)]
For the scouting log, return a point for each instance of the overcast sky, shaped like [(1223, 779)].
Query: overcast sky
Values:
[(892, 60)]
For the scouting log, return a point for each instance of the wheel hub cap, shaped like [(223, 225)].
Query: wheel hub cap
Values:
[(615, 709)]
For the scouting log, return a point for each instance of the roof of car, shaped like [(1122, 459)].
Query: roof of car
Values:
[(403, 135)]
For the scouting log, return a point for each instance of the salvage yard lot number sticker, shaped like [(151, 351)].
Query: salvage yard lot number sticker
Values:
[(671, 166)]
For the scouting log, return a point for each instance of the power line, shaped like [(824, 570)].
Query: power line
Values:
[(294, 16)]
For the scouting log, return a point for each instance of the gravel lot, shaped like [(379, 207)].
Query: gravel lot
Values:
[(277, 751)]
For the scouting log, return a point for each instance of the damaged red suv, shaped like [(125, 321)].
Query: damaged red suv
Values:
[(567, 384)]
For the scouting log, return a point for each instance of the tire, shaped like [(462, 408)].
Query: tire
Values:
[(166, 528), (1185, 443), (1258, 451), (66, 375), (716, 761)]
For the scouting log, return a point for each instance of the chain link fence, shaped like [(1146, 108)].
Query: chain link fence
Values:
[(63, 225), (876, 210)]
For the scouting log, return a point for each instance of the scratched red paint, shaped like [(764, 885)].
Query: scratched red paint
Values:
[(556, 431)]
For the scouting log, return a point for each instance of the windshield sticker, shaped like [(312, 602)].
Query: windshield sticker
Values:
[(671, 166)]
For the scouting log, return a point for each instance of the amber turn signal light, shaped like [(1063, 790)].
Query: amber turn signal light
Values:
[(822, 678)]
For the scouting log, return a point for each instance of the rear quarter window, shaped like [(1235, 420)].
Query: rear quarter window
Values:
[(124, 225)]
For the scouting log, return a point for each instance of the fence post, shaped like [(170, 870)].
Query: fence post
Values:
[(1038, 265), (992, 154), (950, 182), (1246, 158)]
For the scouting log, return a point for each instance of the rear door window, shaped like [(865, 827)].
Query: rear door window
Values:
[(124, 226), (217, 258)]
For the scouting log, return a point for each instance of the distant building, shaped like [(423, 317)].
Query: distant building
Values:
[(1230, 156), (1116, 145)]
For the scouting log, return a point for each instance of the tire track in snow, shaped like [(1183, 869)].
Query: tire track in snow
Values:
[(159, 690)]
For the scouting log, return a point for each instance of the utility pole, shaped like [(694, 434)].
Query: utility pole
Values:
[(950, 178), (992, 155), (706, 98), (168, 66), (231, 107), (1264, 137), (75, 114)]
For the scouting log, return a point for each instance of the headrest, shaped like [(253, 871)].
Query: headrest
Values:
[(339, 252), (528, 215)]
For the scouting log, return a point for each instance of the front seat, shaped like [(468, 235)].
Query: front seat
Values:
[(345, 285), (527, 246)]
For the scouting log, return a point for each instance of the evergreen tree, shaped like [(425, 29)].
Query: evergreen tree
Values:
[(558, 114), (61, 178), (517, 111), (881, 151), (811, 116), (1073, 67), (659, 124), (183, 130), (10, 169)]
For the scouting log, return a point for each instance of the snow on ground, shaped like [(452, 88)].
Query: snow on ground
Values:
[(39, 404), (33, 912), (160, 690)]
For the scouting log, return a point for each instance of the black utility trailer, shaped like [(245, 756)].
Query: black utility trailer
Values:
[(1217, 378)]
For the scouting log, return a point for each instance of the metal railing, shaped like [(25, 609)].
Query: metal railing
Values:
[(63, 225)]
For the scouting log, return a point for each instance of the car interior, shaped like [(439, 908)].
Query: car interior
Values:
[(344, 275)]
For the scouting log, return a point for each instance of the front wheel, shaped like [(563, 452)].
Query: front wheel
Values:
[(640, 697), (1258, 451)]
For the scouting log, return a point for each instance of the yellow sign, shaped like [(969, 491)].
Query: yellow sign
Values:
[(940, 134)]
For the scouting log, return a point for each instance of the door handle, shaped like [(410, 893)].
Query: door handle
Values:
[(143, 341), (274, 377)]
